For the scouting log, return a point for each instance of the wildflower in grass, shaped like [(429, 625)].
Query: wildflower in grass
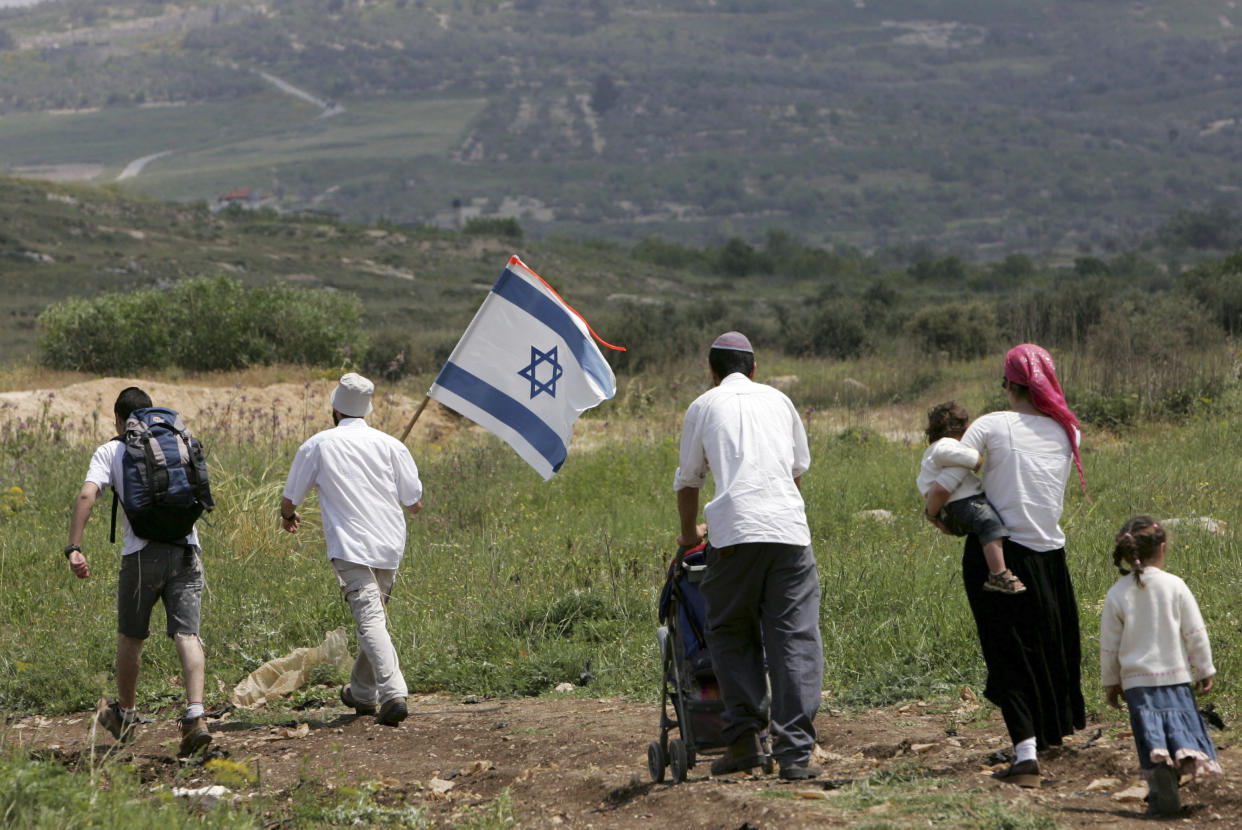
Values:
[(12, 500)]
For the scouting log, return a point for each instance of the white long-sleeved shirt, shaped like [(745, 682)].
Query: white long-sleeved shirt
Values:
[(364, 477), (1027, 464), (751, 438), (943, 454), (1153, 635)]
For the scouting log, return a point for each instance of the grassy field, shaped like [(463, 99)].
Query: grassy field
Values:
[(260, 143), (511, 585)]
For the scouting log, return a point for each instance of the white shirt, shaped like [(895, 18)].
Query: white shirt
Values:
[(1153, 635), (105, 472), (946, 453), (364, 477), (1028, 462), (751, 437)]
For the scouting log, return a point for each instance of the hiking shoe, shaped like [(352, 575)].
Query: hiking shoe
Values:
[(743, 754), (1162, 796), (799, 772), (194, 736), (347, 697), (109, 717), (1004, 583), (1021, 773), (393, 712)]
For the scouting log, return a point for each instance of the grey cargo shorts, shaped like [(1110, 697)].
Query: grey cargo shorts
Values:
[(160, 571)]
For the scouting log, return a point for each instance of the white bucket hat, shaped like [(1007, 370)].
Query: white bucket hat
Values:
[(352, 396)]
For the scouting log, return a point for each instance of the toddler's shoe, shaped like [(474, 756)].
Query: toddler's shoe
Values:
[(1004, 583)]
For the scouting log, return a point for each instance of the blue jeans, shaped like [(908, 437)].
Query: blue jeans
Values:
[(974, 514)]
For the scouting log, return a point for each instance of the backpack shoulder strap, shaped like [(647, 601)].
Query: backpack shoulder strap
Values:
[(115, 499)]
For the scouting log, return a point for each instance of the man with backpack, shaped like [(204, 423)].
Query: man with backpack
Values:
[(364, 477), (156, 470)]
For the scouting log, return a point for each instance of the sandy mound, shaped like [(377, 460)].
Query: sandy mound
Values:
[(83, 412)]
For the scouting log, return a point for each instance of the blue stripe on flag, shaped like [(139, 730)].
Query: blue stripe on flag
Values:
[(505, 409), (556, 317)]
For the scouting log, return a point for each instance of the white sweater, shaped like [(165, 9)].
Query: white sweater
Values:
[(1153, 635), (1028, 462), (949, 452)]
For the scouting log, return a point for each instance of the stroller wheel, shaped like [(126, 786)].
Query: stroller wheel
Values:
[(656, 761), (678, 759)]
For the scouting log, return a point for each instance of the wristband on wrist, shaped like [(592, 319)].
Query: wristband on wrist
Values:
[(71, 548)]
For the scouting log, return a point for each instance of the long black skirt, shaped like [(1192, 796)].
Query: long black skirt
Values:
[(1030, 642)]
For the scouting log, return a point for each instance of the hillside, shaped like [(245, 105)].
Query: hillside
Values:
[(418, 285), (979, 127)]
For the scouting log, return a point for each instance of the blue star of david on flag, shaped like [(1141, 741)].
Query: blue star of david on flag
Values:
[(531, 372)]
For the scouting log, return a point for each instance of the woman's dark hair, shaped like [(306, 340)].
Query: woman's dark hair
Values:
[(946, 419), (725, 362), (1137, 543), (131, 398)]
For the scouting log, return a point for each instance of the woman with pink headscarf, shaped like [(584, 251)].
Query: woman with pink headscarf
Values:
[(1030, 641)]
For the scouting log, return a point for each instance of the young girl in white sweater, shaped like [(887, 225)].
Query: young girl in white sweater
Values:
[(1153, 646)]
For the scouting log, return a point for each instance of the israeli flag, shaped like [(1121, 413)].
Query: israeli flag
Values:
[(526, 368)]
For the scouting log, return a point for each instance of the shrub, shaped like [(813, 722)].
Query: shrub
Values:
[(493, 226), (1218, 286), (201, 324), (956, 330), (659, 251)]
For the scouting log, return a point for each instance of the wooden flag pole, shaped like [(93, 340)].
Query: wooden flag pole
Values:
[(417, 412)]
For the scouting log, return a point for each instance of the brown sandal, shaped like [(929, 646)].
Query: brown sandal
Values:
[(1004, 583)]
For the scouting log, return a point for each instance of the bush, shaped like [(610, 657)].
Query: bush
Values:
[(1218, 286), (201, 324), (493, 226), (958, 330)]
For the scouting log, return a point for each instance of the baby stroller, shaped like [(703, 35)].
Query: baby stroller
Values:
[(689, 684)]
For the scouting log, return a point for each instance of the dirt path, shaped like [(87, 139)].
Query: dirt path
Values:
[(138, 165), (577, 762)]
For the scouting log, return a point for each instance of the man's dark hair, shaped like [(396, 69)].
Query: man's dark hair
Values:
[(946, 420), (131, 398), (725, 362)]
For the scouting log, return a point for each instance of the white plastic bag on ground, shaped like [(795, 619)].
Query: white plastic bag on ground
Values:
[(285, 674)]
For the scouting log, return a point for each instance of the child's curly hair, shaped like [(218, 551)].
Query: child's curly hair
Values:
[(946, 419), (1137, 543)]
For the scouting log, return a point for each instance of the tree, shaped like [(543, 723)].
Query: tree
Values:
[(605, 95)]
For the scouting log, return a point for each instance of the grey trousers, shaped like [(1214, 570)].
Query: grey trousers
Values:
[(763, 599), (376, 677)]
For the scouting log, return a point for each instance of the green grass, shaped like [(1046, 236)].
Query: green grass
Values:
[(259, 143), (511, 584)]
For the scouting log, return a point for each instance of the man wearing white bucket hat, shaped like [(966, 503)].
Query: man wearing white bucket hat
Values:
[(364, 477)]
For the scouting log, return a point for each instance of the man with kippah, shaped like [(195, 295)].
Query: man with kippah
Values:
[(364, 477), (761, 583)]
